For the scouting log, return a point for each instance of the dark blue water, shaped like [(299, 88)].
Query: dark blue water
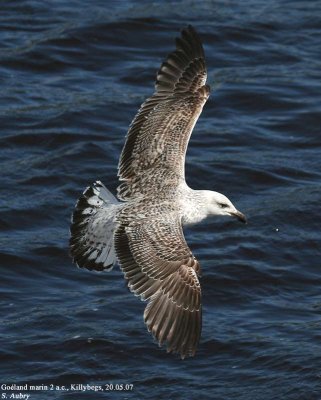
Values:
[(73, 75)]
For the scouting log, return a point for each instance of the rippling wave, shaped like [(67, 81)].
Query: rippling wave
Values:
[(72, 77)]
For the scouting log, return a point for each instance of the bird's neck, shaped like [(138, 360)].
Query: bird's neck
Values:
[(193, 206)]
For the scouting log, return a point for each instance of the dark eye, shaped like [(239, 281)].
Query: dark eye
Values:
[(223, 205)]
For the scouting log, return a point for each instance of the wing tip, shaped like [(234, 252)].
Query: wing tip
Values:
[(191, 35), (187, 57), (173, 326)]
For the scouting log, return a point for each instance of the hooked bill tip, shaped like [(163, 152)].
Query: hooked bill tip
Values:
[(240, 216)]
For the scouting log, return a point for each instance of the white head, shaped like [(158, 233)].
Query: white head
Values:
[(218, 204)]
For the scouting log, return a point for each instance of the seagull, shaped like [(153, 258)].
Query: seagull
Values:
[(142, 230)]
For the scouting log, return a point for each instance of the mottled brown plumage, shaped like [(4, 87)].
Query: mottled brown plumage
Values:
[(149, 241), (159, 134), (146, 227)]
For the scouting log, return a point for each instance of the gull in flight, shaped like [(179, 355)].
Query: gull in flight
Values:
[(142, 230)]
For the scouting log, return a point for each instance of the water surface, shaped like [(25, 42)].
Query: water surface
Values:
[(72, 77)]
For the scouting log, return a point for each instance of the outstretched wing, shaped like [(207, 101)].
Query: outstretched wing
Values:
[(160, 267), (159, 134)]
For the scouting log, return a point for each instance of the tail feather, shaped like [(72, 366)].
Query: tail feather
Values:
[(92, 229)]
